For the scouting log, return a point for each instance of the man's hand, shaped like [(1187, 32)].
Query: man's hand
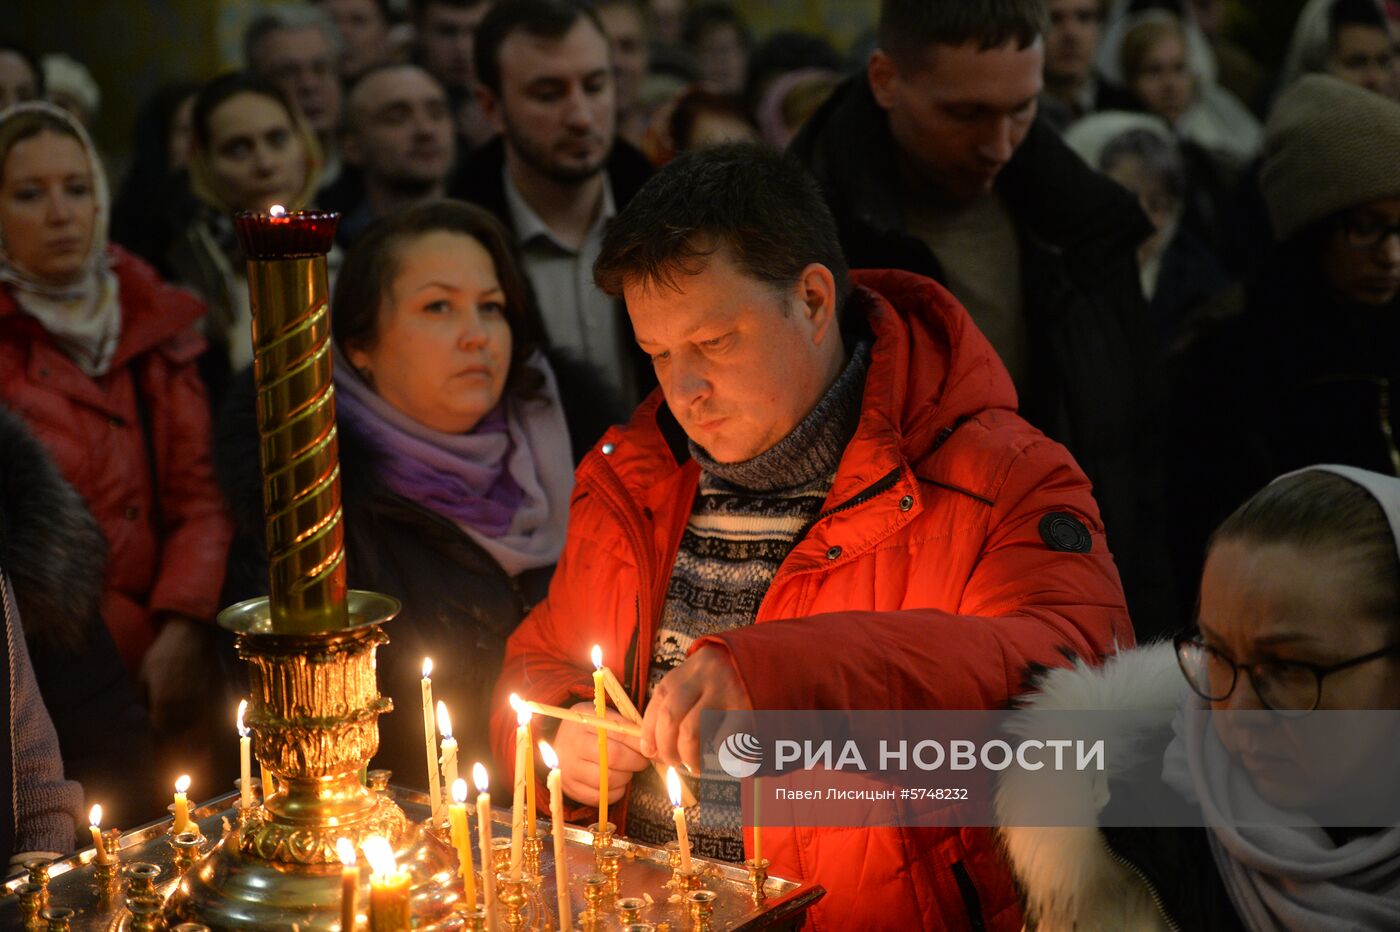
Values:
[(671, 726), (577, 747), (173, 675)]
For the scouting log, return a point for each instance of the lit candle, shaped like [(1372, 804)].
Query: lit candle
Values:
[(182, 806), (673, 785), (245, 760), (434, 787), (483, 825), (517, 810), (95, 826), (600, 709), (349, 883), (462, 839), (531, 823), (388, 888), (449, 745), (556, 814)]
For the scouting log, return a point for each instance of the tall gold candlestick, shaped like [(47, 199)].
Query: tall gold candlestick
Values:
[(299, 448)]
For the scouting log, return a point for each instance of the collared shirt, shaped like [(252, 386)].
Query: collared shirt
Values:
[(577, 316)]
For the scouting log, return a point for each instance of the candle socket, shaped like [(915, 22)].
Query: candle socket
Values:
[(758, 879), (602, 835), (531, 857), (702, 908), (31, 900), (38, 871), (147, 913), (473, 918), (595, 896), (609, 863), (686, 881), (512, 894), (58, 918), (379, 781), (440, 829), (141, 879), (187, 847), (500, 856), (638, 926), (629, 908), (106, 876), (673, 854)]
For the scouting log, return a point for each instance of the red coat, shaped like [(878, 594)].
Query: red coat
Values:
[(935, 591), (93, 430)]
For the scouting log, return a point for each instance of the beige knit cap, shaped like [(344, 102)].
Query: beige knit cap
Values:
[(1328, 146)]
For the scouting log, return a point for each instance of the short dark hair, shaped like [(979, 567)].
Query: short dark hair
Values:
[(1331, 513), (909, 28), (14, 47), (230, 84), (749, 199), (544, 19), (709, 16), (418, 7), (1353, 13), (373, 262)]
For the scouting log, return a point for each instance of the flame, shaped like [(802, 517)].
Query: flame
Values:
[(182, 785), (444, 722), (673, 786), (427, 667), (277, 210), (95, 816), (242, 707), (597, 655), (479, 777), (459, 790), (551, 760), (522, 715), (515, 702), (380, 856), (346, 849)]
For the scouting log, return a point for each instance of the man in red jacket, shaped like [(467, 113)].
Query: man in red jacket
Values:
[(831, 503)]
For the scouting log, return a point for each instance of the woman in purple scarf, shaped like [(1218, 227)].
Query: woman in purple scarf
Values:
[(456, 460)]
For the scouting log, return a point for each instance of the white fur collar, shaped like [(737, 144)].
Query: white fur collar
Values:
[(1069, 878)]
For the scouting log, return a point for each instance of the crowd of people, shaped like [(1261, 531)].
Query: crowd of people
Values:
[(951, 365)]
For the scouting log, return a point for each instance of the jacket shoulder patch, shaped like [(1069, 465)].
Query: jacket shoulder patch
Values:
[(1065, 533)]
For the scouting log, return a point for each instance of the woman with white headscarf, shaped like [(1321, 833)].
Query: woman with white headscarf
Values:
[(97, 357)]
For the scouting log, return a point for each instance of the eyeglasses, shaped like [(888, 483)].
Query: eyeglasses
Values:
[(1367, 234), (1287, 687)]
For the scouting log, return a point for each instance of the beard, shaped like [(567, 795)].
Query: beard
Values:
[(540, 159)]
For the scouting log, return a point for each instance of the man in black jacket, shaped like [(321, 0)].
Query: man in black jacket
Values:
[(934, 162), (557, 173)]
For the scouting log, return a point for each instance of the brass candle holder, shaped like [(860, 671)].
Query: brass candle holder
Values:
[(684, 881), (473, 919), (532, 848), (57, 918), (511, 895), (758, 879), (187, 848), (609, 862), (500, 856), (141, 878), (146, 913), (31, 900), (602, 835), (702, 909), (595, 896), (629, 908), (38, 871)]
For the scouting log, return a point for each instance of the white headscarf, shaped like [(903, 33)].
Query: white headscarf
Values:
[(83, 316)]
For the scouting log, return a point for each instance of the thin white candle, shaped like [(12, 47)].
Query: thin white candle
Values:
[(673, 785), (483, 824), (449, 746), (430, 737), (245, 757), (556, 814)]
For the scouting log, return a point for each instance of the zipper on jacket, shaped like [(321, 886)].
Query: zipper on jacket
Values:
[(876, 488), (971, 901), (1151, 888), (11, 621)]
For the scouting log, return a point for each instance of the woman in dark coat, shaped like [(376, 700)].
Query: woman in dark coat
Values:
[(1301, 363), (456, 463)]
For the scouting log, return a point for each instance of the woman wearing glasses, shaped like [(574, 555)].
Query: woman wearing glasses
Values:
[(1299, 613), (1299, 364)]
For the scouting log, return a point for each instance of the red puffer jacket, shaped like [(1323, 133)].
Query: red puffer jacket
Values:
[(166, 551), (925, 584)]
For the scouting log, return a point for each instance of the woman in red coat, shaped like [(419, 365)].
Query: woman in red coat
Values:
[(97, 356)]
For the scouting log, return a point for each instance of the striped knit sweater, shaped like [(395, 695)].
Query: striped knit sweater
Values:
[(746, 519)]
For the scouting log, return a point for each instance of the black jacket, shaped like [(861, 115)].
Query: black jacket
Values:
[(1275, 375), (459, 605), (1094, 382), (54, 553), (481, 180)]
